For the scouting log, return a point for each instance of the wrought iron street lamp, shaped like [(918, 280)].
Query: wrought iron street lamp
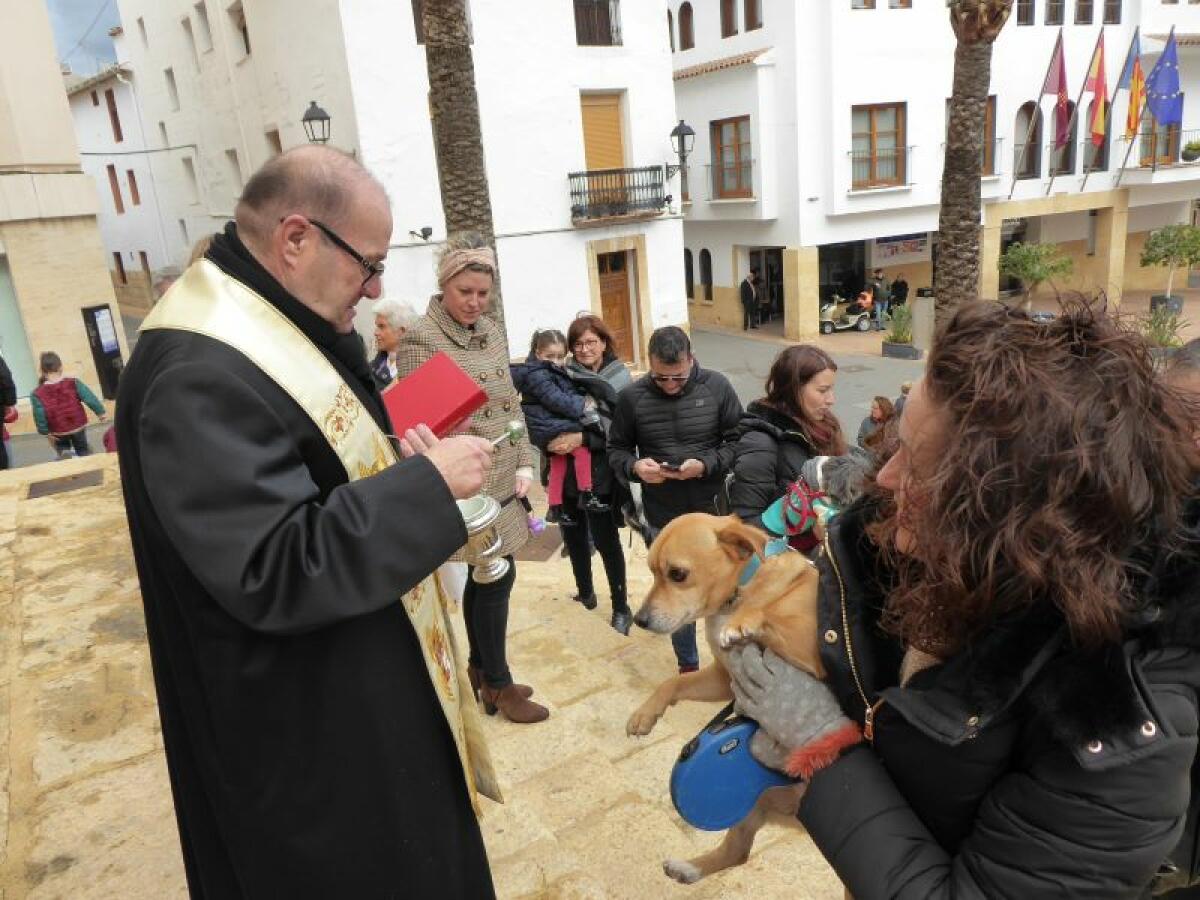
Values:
[(316, 123), (683, 138)]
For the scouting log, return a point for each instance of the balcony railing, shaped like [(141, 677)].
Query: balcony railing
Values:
[(613, 193), (1163, 148), (731, 180), (880, 168)]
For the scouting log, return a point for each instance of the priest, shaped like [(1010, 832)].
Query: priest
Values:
[(320, 733)]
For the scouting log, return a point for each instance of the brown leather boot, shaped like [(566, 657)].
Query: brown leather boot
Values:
[(510, 702), (475, 676)]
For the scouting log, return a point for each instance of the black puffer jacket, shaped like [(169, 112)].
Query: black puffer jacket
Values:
[(1022, 767), (697, 423), (603, 387), (770, 453), (550, 401)]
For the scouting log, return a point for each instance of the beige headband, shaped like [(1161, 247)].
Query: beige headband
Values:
[(456, 260)]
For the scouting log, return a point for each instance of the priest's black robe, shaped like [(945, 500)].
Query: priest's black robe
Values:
[(307, 750)]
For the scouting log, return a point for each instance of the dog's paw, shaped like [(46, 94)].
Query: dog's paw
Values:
[(682, 871), (731, 635), (641, 722)]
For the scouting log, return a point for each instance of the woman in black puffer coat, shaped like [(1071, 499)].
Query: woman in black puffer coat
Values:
[(785, 429), (1019, 642)]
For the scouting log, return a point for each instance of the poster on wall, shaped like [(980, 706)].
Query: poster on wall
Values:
[(901, 250)]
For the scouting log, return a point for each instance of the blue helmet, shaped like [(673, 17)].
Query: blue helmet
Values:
[(716, 781)]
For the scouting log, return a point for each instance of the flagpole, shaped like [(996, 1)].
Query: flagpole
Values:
[(1075, 110), (1109, 101), (1137, 133), (1033, 120)]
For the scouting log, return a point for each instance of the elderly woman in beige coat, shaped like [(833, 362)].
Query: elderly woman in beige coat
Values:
[(456, 324)]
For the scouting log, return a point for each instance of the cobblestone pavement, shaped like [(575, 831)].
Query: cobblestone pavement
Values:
[(85, 806)]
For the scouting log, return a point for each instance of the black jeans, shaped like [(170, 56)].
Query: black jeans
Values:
[(748, 315), (485, 610), (603, 529), (77, 442)]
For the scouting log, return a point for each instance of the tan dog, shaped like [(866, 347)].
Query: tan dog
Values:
[(696, 562)]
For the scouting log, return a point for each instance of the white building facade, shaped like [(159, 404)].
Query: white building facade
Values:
[(820, 137), (223, 86)]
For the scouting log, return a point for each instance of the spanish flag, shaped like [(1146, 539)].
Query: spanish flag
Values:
[(1134, 79), (1097, 84)]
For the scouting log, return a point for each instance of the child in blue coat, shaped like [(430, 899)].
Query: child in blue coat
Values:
[(553, 404)]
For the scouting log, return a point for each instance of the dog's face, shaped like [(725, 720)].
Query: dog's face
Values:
[(696, 561)]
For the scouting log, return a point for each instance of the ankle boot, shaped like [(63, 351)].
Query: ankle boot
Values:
[(515, 707), (475, 676)]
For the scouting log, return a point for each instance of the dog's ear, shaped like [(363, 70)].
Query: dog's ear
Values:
[(740, 540)]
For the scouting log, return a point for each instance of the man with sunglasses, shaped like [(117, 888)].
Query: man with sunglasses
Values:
[(307, 678), (674, 432)]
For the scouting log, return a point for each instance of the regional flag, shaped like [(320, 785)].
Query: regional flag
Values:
[(1133, 79), (1097, 84), (1056, 84), (1163, 98)]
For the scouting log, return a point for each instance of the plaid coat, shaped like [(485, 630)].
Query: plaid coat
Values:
[(481, 353)]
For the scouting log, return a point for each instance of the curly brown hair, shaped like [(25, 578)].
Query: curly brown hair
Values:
[(1063, 461)]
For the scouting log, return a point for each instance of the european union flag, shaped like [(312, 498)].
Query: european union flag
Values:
[(1163, 98)]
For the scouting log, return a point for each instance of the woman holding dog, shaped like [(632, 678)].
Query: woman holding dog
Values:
[(782, 431), (595, 366), (1022, 601)]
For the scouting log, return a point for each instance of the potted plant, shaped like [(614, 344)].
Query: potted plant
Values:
[(1191, 151), (1032, 265), (899, 341), (1161, 329), (1173, 246)]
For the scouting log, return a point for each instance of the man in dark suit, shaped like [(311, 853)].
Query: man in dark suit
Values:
[(749, 297)]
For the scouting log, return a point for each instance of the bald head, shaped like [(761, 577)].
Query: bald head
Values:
[(316, 181)]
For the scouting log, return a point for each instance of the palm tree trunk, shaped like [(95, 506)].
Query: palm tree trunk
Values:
[(457, 139), (976, 23)]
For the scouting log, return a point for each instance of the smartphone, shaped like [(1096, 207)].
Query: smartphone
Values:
[(669, 467)]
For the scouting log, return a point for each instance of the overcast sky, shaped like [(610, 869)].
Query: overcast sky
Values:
[(88, 44)]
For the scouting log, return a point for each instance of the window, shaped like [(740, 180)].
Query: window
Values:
[(235, 170), (113, 118), (752, 15), (1062, 159), (687, 35), (95, 99), (1025, 12), (1027, 129), (1054, 11), (1084, 12), (862, 4), (162, 134), (274, 144), (203, 31), (706, 275), (1112, 12), (237, 19), (133, 188), (141, 25), (671, 30), (597, 23), (878, 150), (418, 8), (731, 172), (1159, 144), (172, 89), (189, 177), (145, 261), (115, 186), (689, 283), (1095, 159), (728, 18), (120, 264), (191, 41)]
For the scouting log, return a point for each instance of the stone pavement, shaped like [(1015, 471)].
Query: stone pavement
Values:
[(85, 806)]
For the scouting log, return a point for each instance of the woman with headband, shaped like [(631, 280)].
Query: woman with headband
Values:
[(456, 324)]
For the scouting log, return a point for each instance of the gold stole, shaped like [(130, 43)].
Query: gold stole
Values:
[(207, 301)]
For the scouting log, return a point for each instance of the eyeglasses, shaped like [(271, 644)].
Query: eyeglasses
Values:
[(665, 379), (589, 344), (373, 270)]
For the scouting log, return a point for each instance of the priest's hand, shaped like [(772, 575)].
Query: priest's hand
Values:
[(463, 461)]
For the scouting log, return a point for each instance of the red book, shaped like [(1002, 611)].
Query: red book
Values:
[(438, 394)]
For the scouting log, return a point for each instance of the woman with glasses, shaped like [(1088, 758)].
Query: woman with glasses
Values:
[(594, 367), (782, 431), (456, 324)]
